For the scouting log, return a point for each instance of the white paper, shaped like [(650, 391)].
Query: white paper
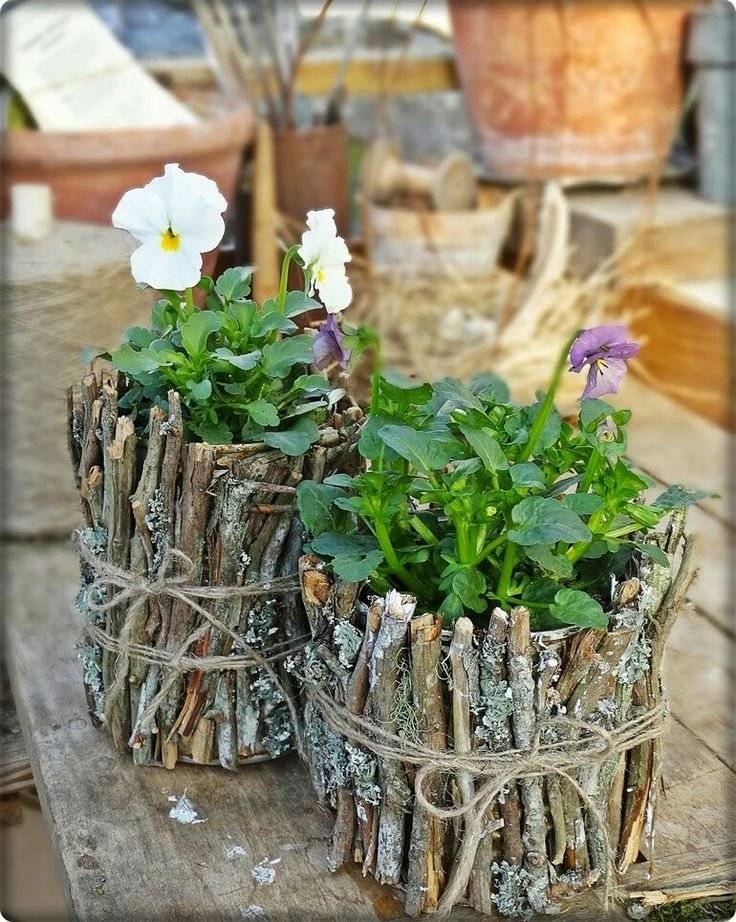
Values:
[(74, 75)]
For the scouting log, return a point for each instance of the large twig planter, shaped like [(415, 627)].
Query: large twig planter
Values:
[(491, 766), (189, 593)]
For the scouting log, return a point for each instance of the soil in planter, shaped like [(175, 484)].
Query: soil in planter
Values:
[(472, 690), (229, 510)]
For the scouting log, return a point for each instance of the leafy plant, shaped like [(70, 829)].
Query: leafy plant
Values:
[(242, 370), (471, 501)]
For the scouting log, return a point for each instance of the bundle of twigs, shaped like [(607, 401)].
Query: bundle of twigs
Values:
[(488, 764), (259, 47), (200, 544)]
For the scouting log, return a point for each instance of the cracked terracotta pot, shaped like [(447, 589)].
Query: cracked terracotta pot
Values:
[(572, 91)]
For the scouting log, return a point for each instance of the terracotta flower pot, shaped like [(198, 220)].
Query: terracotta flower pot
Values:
[(574, 91), (89, 171), (312, 171)]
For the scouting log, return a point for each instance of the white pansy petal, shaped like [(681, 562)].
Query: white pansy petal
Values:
[(323, 220), (334, 289), (200, 225), (141, 213), (170, 188), (166, 269), (335, 252), (206, 188)]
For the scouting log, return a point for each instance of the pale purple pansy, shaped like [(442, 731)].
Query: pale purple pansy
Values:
[(327, 347), (604, 350)]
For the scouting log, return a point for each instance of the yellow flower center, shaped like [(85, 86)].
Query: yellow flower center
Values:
[(320, 275), (170, 242)]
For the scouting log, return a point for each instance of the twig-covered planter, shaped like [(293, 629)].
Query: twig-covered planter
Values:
[(490, 765), (189, 593)]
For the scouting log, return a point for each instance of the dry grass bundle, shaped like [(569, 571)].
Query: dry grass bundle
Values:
[(459, 327)]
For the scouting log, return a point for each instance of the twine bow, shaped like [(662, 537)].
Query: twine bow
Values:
[(136, 587), (546, 756)]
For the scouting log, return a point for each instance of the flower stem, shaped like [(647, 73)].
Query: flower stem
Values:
[(284, 281), (590, 472), (375, 378), (549, 400), (189, 299)]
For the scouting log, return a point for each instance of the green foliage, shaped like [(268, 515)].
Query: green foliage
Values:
[(241, 369), (459, 507)]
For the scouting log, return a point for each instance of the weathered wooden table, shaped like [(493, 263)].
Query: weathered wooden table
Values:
[(261, 851)]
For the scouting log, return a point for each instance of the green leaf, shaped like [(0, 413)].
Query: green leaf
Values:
[(452, 607), (281, 356), (546, 521), (335, 544), (677, 497), (559, 566), (315, 502), (593, 410), (139, 336), (201, 390), (425, 450), (486, 447), (490, 387), (576, 607), (402, 390), (355, 569), (243, 362), (213, 433), (527, 474), (234, 283), (313, 384), (299, 303), (469, 585), (370, 445), (451, 394), (339, 480), (268, 323), (131, 362), (294, 441), (197, 330), (583, 503), (263, 413), (652, 551)]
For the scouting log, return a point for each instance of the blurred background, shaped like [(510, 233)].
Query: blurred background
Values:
[(505, 172)]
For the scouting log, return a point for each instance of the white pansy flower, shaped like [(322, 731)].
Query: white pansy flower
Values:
[(176, 217), (324, 254)]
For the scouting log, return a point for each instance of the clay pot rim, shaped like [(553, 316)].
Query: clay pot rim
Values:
[(222, 131)]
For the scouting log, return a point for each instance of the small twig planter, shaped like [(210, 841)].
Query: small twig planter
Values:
[(189, 592), (489, 765)]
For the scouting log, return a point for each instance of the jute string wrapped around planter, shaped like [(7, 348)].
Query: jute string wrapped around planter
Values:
[(497, 769), (134, 587)]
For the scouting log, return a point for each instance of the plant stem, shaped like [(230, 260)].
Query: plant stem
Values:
[(510, 557), (384, 542), (189, 298), (591, 469), (284, 280), (549, 400), (375, 378)]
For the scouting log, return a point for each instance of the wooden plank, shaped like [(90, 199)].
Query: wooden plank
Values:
[(677, 446), (699, 671), (688, 347), (366, 74), (119, 851), (678, 235)]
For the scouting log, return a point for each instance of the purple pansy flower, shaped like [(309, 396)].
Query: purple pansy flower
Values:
[(327, 346), (604, 350)]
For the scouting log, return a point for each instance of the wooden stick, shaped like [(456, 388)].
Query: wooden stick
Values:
[(388, 652), (521, 682), (425, 871)]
